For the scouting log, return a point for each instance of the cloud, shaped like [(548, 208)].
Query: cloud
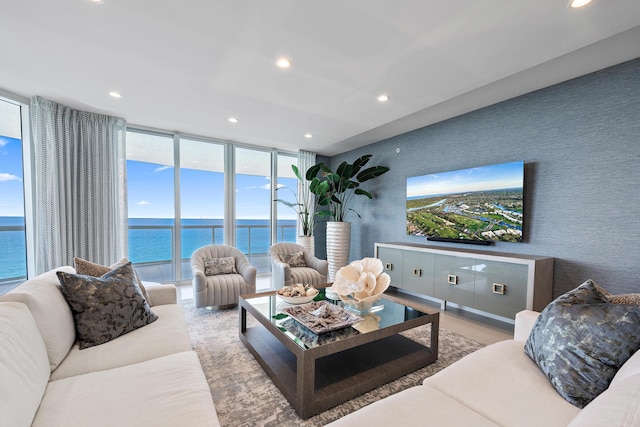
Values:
[(162, 168), (3, 142), (4, 177), (143, 203), (266, 186)]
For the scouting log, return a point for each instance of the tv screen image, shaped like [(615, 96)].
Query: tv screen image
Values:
[(481, 204)]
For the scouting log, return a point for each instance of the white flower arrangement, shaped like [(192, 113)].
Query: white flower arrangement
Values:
[(361, 281)]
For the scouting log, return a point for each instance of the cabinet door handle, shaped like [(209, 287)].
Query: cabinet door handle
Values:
[(452, 279), (499, 289), (417, 272), (388, 266)]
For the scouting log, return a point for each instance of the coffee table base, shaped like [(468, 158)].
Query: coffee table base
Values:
[(313, 382)]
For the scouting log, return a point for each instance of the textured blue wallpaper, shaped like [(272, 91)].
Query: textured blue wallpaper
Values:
[(580, 141)]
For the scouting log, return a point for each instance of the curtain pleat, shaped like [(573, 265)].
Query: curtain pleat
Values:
[(306, 159), (79, 185)]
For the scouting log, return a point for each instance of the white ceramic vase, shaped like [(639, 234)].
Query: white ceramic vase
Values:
[(338, 245), (308, 243)]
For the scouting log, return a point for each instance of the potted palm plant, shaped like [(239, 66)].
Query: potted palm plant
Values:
[(303, 205), (334, 192)]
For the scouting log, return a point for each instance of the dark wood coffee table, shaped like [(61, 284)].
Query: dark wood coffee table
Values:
[(315, 377)]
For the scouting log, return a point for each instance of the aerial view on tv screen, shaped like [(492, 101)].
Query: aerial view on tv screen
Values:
[(477, 204)]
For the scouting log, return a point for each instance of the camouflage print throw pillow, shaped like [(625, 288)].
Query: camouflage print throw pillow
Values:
[(92, 269), (294, 260), (580, 340), (215, 266), (105, 307)]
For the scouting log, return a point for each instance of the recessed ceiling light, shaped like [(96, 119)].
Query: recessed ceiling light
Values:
[(383, 98), (115, 94), (232, 120), (97, 1), (283, 62), (578, 3), (308, 135)]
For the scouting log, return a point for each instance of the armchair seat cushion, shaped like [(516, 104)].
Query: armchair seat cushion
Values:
[(307, 276)]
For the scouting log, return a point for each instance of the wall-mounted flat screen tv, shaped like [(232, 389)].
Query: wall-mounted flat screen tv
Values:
[(478, 205)]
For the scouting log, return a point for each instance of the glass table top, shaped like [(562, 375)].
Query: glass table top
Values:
[(384, 313)]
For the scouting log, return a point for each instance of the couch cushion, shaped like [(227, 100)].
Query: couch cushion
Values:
[(167, 391), (503, 384), (581, 340), (167, 335), (105, 307), (630, 368), (24, 365), (415, 407), (215, 266), (619, 406), (43, 295), (92, 269)]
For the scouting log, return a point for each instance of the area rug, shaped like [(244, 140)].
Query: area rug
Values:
[(244, 395)]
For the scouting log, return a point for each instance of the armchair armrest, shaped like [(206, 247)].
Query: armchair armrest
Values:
[(525, 320), (281, 272), (161, 294), (320, 265), (248, 273)]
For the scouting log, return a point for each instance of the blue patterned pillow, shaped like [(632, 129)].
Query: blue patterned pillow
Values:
[(105, 307), (580, 340)]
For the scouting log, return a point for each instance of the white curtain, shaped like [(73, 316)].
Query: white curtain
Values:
[(306, 159), (80, 203)]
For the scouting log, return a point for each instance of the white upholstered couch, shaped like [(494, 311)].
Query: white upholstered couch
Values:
[(500, 385), (147, 377)]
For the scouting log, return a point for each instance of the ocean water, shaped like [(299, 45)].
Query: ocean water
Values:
[(151, 239)]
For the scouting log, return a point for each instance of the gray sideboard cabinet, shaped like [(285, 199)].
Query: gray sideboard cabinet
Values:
[(493, 283)]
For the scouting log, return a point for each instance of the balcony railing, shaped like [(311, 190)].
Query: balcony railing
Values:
[(152, 250)]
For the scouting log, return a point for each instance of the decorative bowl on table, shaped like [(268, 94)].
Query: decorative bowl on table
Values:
[(297, 294)]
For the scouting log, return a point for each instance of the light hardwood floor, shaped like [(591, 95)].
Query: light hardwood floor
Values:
[(470, 325)]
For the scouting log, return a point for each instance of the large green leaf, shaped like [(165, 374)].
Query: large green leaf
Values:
[(372, 172), (296, 172), (312, 172), (363, 192), (359, 163)]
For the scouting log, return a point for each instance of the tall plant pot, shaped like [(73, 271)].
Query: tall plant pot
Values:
[(338, 245), (308, 243)]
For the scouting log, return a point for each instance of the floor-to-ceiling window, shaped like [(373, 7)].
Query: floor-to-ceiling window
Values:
[(202, 203), (151, 204), (13, 252), (287, 190), (183, 194), (253, 201)]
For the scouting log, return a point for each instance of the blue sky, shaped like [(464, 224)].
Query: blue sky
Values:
[(11, 185), (150, 190), (494, 177), (150, 193)]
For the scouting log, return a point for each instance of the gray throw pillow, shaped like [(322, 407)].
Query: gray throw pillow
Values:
[(92, 269), (294, 260), (580, 340), (215, 266), (105, 307)]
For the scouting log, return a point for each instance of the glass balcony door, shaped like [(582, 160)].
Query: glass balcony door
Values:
[(13, 249), (201, 198)]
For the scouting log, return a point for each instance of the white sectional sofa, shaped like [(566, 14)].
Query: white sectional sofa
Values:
[(147, 377), (500, 385)]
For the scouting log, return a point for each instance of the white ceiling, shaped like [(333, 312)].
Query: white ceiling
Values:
[(189, 65)]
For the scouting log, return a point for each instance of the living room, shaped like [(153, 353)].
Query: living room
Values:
[(576, 132)]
